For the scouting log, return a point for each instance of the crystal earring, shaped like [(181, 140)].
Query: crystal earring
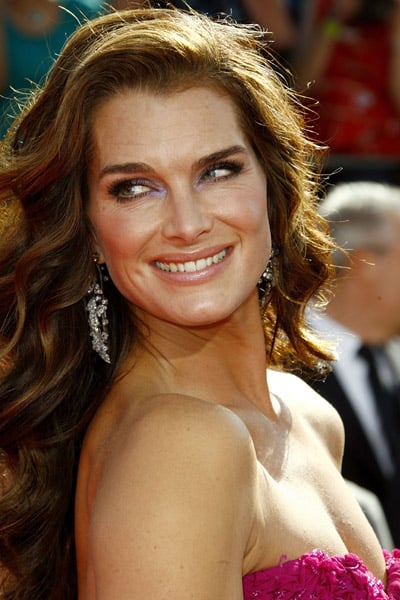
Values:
[(266, 281), (97, 318)]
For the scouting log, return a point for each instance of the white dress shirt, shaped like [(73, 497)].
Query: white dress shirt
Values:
[(351, 371)]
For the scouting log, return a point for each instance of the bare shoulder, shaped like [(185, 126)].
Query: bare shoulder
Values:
[(167, 424), (160, 429), (171, 431), (311, 408), (174, 498), (294, 390)]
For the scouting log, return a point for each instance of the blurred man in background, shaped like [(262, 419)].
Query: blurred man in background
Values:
[(363, 318)]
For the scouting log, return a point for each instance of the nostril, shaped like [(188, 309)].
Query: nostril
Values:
[(187, 223)]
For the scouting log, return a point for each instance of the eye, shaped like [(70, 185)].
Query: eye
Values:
[(221, 171), (130, 189)]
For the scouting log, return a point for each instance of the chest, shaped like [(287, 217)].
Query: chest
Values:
[(304, 504)]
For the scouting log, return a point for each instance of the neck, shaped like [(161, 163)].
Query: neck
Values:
[(225, 362)]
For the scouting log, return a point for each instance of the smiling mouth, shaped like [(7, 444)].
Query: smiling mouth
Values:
[(192, 266)]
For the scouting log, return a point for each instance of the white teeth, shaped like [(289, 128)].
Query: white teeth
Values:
[(201, 264), (191, 266)]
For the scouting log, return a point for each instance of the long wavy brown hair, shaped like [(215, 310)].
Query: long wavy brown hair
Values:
[(51, 380)]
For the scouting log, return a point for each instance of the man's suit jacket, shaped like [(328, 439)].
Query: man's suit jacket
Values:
[(359, 461)]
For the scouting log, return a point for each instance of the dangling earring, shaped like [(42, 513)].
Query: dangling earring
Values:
[(266, 281), (97, 309)]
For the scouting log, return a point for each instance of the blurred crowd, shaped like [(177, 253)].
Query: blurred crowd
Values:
[(343, 56), (31, 34)]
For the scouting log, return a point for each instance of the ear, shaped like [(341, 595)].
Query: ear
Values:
[(98, 258), (97, 253)]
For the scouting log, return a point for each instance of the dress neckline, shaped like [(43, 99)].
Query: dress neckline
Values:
[(318, 575)]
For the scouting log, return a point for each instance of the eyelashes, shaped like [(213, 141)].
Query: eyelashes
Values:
[(227, 169), (127, 189), (130, 189)]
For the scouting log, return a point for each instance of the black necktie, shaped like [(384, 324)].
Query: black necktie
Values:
[(386, 398)]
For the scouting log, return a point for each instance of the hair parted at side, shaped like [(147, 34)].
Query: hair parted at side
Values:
[(51, 381)]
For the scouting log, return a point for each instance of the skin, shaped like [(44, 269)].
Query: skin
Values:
[(183, 210), (275, 17), (317, 48), (196, 469), (376, 276)]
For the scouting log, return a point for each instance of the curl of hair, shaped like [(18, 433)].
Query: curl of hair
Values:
[(51, 381)]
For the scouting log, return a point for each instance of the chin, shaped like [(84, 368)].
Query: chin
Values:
[(204, 317)]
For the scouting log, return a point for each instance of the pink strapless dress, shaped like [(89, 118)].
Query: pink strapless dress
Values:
[(317, 576)]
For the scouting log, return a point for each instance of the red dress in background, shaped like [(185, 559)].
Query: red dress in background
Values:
[(356, 114)]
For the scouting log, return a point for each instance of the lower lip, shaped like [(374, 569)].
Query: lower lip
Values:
[(195, 276)]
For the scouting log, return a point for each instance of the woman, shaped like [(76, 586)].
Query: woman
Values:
[(160, 175)]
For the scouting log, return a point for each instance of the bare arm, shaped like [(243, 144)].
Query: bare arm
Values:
[(273, 16), (315, 49), (314, 57), (173, 510)]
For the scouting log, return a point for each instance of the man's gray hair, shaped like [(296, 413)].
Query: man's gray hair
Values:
[(360, 215)]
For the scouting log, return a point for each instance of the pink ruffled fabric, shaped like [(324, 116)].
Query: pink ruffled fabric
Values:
[(316, 575), (393, 571)]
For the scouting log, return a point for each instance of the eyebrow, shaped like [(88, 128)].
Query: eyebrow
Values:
[(221, 154), (133, 167)]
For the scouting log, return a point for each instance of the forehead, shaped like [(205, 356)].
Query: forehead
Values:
[(191, 120)]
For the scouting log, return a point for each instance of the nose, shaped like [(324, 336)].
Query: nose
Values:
[(187, 216)]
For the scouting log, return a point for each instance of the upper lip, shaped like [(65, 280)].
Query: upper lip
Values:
[(190, 256)]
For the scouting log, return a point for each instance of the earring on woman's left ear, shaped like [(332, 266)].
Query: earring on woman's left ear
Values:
[(97, 317), (267, 278)]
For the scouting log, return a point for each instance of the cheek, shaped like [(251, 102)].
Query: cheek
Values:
[(395, 291), (388, 292), (254, 224), (249, 208), (115, 235), (257, 222)]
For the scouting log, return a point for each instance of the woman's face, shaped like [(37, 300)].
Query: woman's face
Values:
[(178, 203)]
